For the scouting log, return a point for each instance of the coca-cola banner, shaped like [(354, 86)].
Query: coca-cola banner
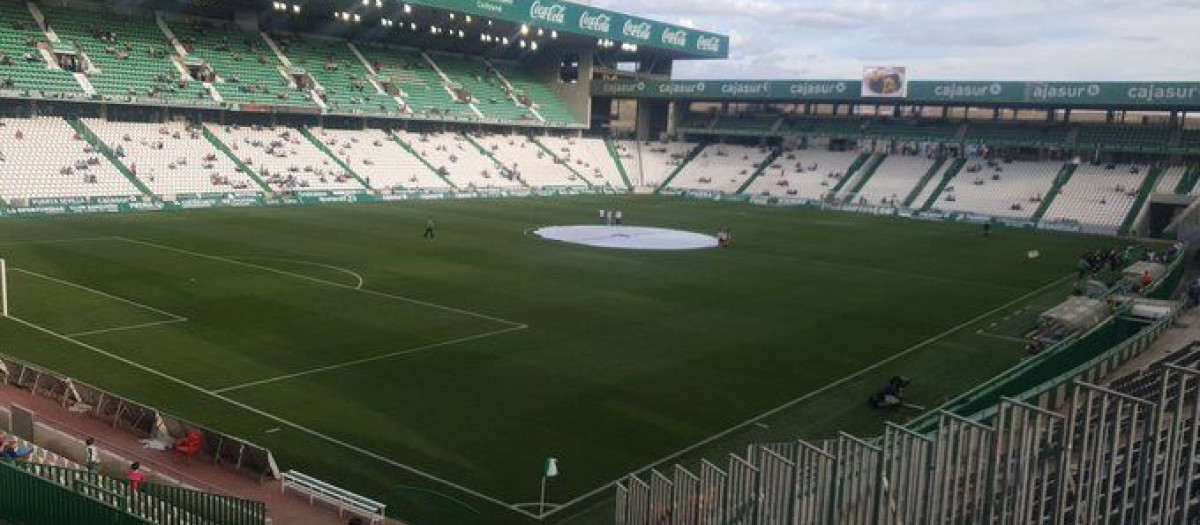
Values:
[(590, 21)]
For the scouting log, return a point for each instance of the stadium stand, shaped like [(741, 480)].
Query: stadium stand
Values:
[(999, 133), (895, 179), (804, 174), (536, 94), (129, 56), (806, 126), (1098, 196), (406, 73), (721, 167), (658, 160), (458, 159), (747, 124), (589, 157), (487, 91), (173, 158), (913, 129), (529, 162), (341, 80), (284, 159), (26, 64), (1170, 179), (380, 160), (999, 189), (1124, 138), (245, 69), (73, 168)]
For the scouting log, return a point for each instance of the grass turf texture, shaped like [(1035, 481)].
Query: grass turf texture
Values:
[(627, 357)]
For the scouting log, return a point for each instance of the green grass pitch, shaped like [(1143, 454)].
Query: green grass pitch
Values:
[(474, 356)]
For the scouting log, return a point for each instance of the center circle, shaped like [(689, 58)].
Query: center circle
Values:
[(628, 237)]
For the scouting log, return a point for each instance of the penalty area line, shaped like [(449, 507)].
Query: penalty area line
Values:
[(758, 419), (127, 327), (322, 281), (371, 359), (267, 415), (103, 294)]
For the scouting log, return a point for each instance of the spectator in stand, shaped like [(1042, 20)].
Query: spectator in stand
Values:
[(136, 477), (91, 456)]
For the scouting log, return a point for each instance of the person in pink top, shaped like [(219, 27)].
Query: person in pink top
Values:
[(136, 477)]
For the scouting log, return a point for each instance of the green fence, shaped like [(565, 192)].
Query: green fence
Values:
[(158, 504), (1044, 380), (27, 499)]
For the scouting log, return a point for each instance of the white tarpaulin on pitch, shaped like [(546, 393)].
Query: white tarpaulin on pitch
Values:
[(628, 237)]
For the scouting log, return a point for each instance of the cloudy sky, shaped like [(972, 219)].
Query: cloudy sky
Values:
[(942, 39)]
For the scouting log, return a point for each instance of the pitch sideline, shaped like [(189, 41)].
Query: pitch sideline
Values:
[(811, 394), (348, 446)]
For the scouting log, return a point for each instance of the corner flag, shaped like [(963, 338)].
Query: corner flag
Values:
[(551, 467)]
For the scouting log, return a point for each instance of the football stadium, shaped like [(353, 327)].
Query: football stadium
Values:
[(490, 262)]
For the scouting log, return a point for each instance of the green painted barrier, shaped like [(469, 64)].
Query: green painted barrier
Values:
[(1060, 180), (216, 142), (870, 172), (916, 192), (766, 163), (949, 176), (408, 147), (858, 164), (612, 151), (328, 153), (563, 163), (682, 164), (91, 138), (1143, 194)]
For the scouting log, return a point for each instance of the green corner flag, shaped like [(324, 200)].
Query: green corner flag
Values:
[(551, 467)]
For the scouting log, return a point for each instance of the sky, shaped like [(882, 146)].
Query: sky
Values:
[(940, 39)]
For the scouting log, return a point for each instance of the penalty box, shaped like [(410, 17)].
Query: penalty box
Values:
[(219, 320)]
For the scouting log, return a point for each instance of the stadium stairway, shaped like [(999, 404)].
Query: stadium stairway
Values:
[(949, 176), (495, 161), (933, 170), (325, 149), (1061, 180), (850, 173), (1143, 194), (867, 174), (237, 161), (612, 151), (762, 167), (1188, 182), (408, 147), (682, 164), (91, 138), (564, 163)]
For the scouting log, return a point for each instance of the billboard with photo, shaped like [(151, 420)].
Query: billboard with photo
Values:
[(885, 82)]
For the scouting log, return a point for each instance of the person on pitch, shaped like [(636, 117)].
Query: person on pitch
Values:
[(430, 232)]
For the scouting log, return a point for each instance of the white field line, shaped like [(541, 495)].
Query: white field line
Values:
[(104, 294), (323, 281), (277, 419), (368, 359), (351, 273), (56, 241), (129, 327), (809, 395)]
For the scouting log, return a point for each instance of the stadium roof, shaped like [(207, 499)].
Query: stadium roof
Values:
[(577, 23), (1102, 95)]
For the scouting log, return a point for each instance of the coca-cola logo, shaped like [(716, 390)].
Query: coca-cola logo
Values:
[(675, 37), (556, 13), (599, 22), (640, 31), (708, 43)]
